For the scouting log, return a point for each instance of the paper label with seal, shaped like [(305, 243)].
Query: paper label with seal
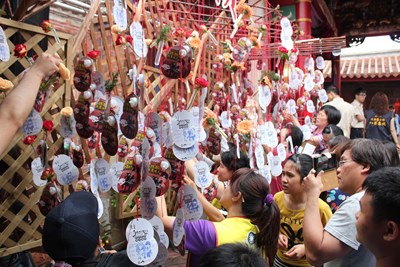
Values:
[(37, 170), (184, 133), (185, 154), (33, 123), (178, 231), (103, 175), (202, 176), (4, 48), (139, 41), (65, 169), (191, 206), (115, 172), (276, 166)]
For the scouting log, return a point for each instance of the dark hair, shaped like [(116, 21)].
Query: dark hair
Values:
[(384, 187), (304, 164), (368, 152), (359, 90), (233, 255), (254, 188), (338, 142), (296, 134), (379, 103), (332, 129), (232, 162), (333, 114), (333, 89), (392, 152)]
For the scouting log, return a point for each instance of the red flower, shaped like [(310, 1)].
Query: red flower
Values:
[(29, 139), (188, 33), (47, 174), (46, 25), (20, 51), (94, 54), (283, 50), (201, 82), (295, 50), (129, 39), (120, 40), (48, 125), (180, 32)]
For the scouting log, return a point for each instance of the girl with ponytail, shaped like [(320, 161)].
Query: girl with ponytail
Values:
[(253, 219)]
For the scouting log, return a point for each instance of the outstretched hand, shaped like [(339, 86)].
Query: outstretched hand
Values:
[(46, 64), (313, 184)]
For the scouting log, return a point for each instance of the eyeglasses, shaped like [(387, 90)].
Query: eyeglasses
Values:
[(362, 94), (344, 161)]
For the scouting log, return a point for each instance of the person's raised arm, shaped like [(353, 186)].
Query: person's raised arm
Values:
[(320, 245), (16, 107), (162, 213)]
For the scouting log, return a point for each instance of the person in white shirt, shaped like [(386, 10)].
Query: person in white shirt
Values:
[(346, 109), (358, 124)]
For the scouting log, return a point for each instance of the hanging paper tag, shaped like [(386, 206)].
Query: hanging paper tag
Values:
[(259, 153), (65, 169), (202, 176), (266, 172), (184, 131), (310, 106), (234, 93), (226, 121), (276, 167), (139, 42), (160, 171), (98, 80), (320, 62), (115, 172), (306, 132), (162, 256), (308, 82), (291, 106), (154, 122), (323, 97), (67, 126), (191, 206), (289, 142), (264, 97), (103, 175), (96, 117), (37, 170), (142, 247), (119, 12), (4, 48), (178, 231), (272, 137), (33, 124), (281, 152), (185, 154), (308, 149)]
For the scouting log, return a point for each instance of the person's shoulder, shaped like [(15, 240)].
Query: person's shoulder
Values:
[(115, 259)]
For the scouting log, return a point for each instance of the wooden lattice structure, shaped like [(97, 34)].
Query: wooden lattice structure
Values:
[(20, 218)]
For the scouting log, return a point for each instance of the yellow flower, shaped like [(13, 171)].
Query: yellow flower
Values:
[(116, 29), (255, 42), (5, 85), (244, 127), (237, 66), (266, 81), (195, 43), (245, 10), (66, 112)]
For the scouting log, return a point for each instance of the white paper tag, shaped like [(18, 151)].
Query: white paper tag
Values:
[(281, 152), (65, 169), (185, 154), (164, 239), (308, 149), (226, 121), (148, 207), (103, 175), (272, 136), (120, 17), (142, 247), (306, 132), (157, 224), (291, 106), (33, 123), (308, 82), (310, 106), (178, 231), (139, 42), (162, 256), (4, 48), (259, 152), (191, 206), (153, 121), (323, 97), (265, 171), (67, 126), (320, 62), (276, 167), (202, 176), (289, 142), (115, 172), (37, 170), (184, 131), (264, 97)]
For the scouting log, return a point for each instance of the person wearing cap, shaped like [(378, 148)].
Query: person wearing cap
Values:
[(71, 235), (23, 96), (378, 221), (336, 244)]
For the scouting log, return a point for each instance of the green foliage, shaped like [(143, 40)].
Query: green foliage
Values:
[(110, 84)]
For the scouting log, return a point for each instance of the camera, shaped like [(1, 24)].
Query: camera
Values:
[(326, 162)]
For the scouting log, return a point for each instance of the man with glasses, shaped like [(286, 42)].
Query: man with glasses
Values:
[(336, 244), (358, 123)]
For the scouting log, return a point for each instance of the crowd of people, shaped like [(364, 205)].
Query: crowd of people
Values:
[(252, 222)]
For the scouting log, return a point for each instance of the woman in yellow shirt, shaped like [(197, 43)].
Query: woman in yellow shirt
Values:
[(291, 202)]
